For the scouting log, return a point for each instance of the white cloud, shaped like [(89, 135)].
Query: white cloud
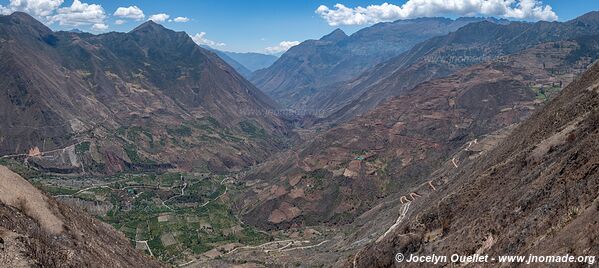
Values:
[(281, 47), (50, 11), (37, 8), (159, 17), (516, 9), (79, 14), (200, 39), (100, 27), (181, 19), (4, 10), (120, 22), (132, 12)]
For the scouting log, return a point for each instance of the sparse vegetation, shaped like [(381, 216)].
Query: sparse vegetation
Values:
[(252, 129), (545, 93), (180, 131), (131, 152), (82, 148)]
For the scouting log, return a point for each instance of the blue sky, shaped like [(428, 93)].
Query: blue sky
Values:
[(242, 25)]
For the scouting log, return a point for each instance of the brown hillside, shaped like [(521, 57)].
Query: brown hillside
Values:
[(36, 230), (346, 170), (535, 193)]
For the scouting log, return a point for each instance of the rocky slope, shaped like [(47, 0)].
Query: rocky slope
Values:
[(307, 68), (346, 170), (439, 57), (534, 193), (527, 188), (147, 99), (37, 231)]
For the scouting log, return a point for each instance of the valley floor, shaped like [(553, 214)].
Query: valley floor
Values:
[(184, 219)]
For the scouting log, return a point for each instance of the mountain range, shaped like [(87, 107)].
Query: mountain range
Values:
[(139, 100), (548, 163), (422, 136), (440, 56), (304, 70), (344, 171), (253, 61), (245, 63)]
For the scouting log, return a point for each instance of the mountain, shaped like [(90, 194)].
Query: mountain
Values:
[(144, 100), (75, 30), (493, 159), (240, 68), (305, 69), (38, 231), (253, 61), (534, 193), (342, 172), (244, 63), (438, 57)]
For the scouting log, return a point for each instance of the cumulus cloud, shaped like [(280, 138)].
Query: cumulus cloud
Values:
[(4, 10), (281, 47), (161, 17), (100, 27), (50, 11), (37, 8), (181, 19), (79, 14), (515, 9), (132, 12), (200, 39), (120, 22)]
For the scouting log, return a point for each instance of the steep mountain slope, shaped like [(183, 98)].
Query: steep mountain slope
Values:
[(253, 61), (308, 67), (37, 231), (439, 57), (346, 170), (535, 193), (150, 98)]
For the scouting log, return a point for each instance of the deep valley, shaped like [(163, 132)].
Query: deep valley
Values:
[(418, 136)]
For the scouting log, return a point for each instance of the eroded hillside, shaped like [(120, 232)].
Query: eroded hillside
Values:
[(38, 231), (535, 193), (144, 100), (344, 171), (441, 56)]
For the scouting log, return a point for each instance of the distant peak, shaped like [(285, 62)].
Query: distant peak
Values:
[(25, 20), (23, 17), (589, 18), (487, 19), (149, 26), (336, 35)]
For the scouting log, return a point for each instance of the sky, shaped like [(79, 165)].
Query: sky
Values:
[(272, 26)]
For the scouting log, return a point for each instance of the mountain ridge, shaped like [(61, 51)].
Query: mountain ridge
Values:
[(397, 145), (437, 57), (103, 88), (305, 69), (545, 155)]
